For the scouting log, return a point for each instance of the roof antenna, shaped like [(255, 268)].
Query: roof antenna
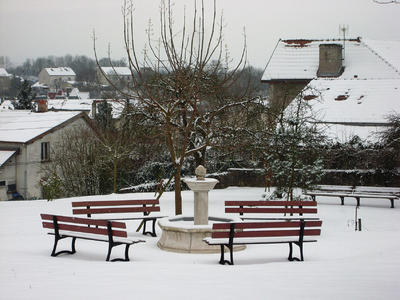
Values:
[(343, 29)]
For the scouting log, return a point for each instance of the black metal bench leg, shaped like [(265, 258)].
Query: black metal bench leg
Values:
[(358, 201), (301, 251), (391, 203), (291, 258), (127, 252), (110, 246), (153, 232), (56, 239), (342, 200), (222, 260)]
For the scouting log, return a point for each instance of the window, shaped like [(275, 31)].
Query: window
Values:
[(45, 151), (2, 183)]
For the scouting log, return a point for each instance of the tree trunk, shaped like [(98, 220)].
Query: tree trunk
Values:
[(115, 175), (178, 196)]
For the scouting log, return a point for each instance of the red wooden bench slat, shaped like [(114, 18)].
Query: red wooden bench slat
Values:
[(114, 210), (85, 229), (250, 225), (270, 210), (78, 220), (267, 233), (114, 202), (270, 203)]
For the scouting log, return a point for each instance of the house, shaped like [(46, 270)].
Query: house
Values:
[(57, 78), (5, 81), (117, 75), (352, 85), (26, 139)]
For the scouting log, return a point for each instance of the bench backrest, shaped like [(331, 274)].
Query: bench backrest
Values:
[(377, 190), (271, 207), (358, 189), (82, 225), (334, 188), (88, 208), (267, 229)]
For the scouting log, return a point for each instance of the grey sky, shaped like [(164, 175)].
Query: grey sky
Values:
[(33, 28)]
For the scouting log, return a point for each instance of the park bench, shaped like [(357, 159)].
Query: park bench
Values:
[(268, 210), (112, 232), (291, 232), (357, 192), (121, 210)]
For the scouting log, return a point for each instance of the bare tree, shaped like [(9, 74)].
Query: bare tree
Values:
[(182, 81)]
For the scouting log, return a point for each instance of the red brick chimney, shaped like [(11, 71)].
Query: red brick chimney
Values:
[(42, 105)]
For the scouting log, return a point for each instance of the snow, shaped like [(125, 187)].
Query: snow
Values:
[(6, 105), (5, 155), (293, 60), (4, 73), (368, 101), (121, 71), (357, 102), (21, 126), (70, 104), (62, 71), (343, 264)]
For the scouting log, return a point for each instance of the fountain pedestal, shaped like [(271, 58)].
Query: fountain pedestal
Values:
[(186, 233), (201, 189)]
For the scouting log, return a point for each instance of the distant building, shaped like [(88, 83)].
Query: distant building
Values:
[(26, 140), (57, 78), (117, 75), (5, 81), (352, 85)]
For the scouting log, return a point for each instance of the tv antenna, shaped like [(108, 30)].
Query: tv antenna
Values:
[(343, 29)]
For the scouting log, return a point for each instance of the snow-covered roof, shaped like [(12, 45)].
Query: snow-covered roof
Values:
[(357, 102), (121, 71), (70, 104), (38, 85), (61, 71), (4, 73), (21, 126), (363, 59), (5, 155)]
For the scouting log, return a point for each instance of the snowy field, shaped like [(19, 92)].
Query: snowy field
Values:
[(344, 264)]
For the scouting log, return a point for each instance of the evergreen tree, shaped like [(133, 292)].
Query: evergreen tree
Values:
[(292, 149), (25, 96), (104, 115)]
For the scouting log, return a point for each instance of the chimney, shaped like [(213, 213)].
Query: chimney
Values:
[(330, 60), (41, 105)]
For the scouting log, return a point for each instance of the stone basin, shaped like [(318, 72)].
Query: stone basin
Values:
[(179, 234)]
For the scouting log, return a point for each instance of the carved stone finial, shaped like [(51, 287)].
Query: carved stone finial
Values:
[(200, 172)]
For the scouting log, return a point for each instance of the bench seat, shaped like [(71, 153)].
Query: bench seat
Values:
[(356, 196), (112, 232), (289, 232)]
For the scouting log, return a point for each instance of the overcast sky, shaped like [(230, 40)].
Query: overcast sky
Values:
[(34, 28)]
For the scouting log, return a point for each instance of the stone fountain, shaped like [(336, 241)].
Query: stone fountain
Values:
[(186, 233)]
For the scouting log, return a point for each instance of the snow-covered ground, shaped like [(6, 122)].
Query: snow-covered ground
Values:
[(344, 264)]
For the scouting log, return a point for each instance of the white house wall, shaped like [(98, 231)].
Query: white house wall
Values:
[(8, 173), (29, 164)]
